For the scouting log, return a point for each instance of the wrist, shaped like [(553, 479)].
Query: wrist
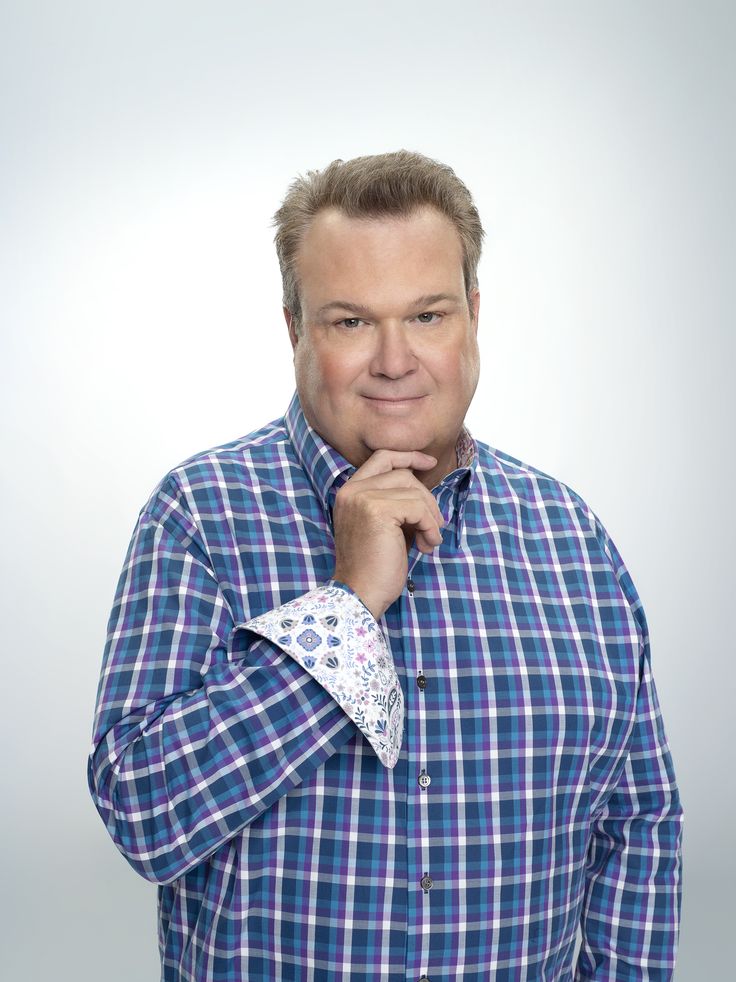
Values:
[(372, 604)]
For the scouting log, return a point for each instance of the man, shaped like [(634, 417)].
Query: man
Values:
[(376, 701)]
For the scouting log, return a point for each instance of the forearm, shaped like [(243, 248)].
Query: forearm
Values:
[(630, 921), (175, 781), (631, 916), (202, 723)]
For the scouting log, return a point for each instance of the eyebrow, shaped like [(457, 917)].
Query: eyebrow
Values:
[(356, 308)]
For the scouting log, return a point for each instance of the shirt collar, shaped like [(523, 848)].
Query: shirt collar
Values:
[(325, 467), (328, 470), (456, 485)]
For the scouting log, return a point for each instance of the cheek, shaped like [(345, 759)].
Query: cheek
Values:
[(471, 358), (323, 372), (471, 367), (458, 369)]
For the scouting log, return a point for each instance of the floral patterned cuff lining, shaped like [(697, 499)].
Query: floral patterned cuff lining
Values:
[(338, 641)]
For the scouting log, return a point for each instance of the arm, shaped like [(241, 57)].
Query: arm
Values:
[(202, 723), (631, 912)]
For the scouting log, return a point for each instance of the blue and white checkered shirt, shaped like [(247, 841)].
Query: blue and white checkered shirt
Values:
[(445, 794)]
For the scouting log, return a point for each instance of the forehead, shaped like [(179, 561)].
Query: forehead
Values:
[(373, 253)]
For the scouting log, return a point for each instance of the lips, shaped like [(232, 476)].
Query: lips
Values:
[(393, 398)]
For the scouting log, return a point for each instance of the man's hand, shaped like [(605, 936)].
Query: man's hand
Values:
[(377, 513)]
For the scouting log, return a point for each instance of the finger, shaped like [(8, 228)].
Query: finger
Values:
[(393, 500), (426, 541), (426, 544), (419, 519), (400, 479), (383, 461)]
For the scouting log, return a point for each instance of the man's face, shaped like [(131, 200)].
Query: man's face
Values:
[(387, 357)]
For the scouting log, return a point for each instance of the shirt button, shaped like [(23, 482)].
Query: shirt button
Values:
[(426, 883), (424, 978), (424, 780), (422, 681), (410, 586)]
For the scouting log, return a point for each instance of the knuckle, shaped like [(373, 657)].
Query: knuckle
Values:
[(383, 455), (365, 502), (346, 491)]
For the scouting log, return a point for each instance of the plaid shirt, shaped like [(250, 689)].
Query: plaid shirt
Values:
[(530, 789)]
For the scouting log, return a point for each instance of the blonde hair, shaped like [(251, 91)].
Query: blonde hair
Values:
[(366, 187)]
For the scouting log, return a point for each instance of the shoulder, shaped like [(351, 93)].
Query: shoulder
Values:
[(209, 480), (522, 486), (544, 507)]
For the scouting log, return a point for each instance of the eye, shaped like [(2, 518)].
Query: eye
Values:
[(350, 322), (428, 313)]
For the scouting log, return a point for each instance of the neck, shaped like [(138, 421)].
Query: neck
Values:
[(445, 465)]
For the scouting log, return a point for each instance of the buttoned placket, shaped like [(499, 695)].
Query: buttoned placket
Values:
[(419, 876), (420, 880), (419, 778)]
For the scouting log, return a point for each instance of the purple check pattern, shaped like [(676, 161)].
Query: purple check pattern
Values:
[(532, 791)]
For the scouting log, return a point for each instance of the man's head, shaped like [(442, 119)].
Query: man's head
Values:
[(382, 185), (379, 261)]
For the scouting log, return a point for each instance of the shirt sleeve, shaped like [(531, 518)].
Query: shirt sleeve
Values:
[(337, 640), (631, 913), (202, 723)]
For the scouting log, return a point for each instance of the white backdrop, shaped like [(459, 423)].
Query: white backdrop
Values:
[(143, 150)]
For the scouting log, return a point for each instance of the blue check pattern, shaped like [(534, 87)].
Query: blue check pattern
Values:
[(532, 791)]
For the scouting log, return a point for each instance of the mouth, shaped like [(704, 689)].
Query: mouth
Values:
[(394, 401)]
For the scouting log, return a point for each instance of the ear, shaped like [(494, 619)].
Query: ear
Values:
[(291, 326), (474, 303)]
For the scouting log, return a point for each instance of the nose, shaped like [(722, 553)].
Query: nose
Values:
[(393, 356)]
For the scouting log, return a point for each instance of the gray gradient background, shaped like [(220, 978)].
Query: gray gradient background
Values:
[(144, 148)]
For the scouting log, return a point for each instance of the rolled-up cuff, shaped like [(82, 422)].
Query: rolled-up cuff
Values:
[(331, 634)]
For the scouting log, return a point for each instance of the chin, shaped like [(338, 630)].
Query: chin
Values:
[(396, 441)]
